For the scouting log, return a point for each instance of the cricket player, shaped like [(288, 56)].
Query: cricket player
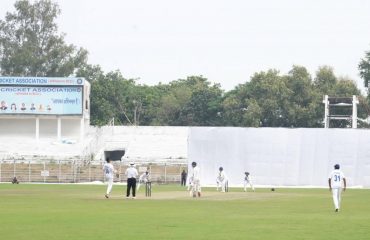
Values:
[(248, 181), (221, 180), (335, 185), (144, 178), (194, 180), (109, 170)]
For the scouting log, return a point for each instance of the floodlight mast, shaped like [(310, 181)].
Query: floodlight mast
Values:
[(326, 113), (340, 102), (354, 111)]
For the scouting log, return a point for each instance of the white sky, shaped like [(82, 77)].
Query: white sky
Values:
[(224, 40)]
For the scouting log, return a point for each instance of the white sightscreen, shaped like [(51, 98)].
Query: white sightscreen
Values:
[(279, 156)]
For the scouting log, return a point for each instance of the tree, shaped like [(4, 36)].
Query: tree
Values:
[(199, 102), (193, 101), (239, 109), (145, 101), (364, 68), (111, 95), (304, 107), (203, 107), (30, 44), (174, 98), (270, 92), (325, 80), (292, 100)]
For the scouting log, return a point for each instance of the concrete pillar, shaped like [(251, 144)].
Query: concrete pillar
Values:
[(29, 171), (59, 131), (354, 111), (44, 172), (37, 131), (326, 114), (82, 129)]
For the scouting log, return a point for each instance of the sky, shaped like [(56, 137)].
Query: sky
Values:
[(226, 41)]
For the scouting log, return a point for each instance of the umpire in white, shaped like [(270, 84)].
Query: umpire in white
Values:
[(131, 174)]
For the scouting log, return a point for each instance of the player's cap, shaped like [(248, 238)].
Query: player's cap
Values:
[(132, 163), (221, 168), (336, 166), (246, 173), (193, 164)]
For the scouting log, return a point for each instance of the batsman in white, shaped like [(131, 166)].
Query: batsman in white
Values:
[(248, 181), (109, 172), (221, 179), (194, 180), (144, 178), (336, 178)]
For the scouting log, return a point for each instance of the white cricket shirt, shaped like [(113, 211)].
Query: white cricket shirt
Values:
[(144, 177), (131, 172), (336, 177), (196, 173), (222, 176), (108, 170)]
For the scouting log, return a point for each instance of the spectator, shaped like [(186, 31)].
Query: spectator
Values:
[(183, 178)]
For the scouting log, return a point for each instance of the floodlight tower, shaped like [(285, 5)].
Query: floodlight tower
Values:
[(344, 102)]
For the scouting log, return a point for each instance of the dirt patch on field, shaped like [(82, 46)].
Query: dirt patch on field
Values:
[(214, 196)]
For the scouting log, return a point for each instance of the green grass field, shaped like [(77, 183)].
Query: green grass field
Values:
[(50, 212)]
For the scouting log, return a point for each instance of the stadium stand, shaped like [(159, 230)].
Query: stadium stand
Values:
[(148, 144), (50, 139), (162, 149)]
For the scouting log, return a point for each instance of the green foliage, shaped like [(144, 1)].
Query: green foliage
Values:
[(325, 80), (30, 44), (271, 94), (189, 102), (364, 68), (269, 99), (293, 100), (112, 95)]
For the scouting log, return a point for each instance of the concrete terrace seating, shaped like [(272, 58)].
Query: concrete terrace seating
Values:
[(23, 147), (141, 144), (150, 144)]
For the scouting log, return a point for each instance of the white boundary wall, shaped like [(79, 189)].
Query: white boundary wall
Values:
[(279, 156)]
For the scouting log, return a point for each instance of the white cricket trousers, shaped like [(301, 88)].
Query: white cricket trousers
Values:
[(110, 184), (246, 185), (336, 197), (223, 185), (196, 186), (138, 185)]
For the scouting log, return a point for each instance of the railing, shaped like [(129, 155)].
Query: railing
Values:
[(81, 171)]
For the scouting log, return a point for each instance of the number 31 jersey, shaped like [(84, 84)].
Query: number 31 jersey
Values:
[(336, 177)]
